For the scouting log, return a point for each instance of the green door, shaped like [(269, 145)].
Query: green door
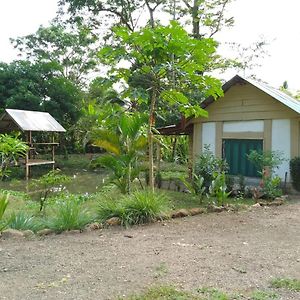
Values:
[(235, 152)]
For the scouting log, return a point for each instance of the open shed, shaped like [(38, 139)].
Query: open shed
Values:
[(29, 122)]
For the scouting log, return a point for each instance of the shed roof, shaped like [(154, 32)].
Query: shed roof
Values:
[(25, 120), (282, 97)]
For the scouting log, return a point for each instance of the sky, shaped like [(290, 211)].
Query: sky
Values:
[(274, 20)]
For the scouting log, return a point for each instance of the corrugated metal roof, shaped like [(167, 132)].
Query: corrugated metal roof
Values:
[(30, 121)]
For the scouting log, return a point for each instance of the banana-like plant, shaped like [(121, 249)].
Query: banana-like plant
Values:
[(125, 146), (11, 148), (3, 205)]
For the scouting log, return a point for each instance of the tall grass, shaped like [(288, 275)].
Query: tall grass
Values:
[(24, 221), (137, 208), (69, 215)]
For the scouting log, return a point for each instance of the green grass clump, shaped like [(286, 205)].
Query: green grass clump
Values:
[(263, 295), (23, 221), (138, 208), (286, 283), (68, 215), (164, 293), (213, 294)]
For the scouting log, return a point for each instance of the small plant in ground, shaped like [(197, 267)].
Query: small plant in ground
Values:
[(195, 186), (267, 162), (3, 206), (286, 283), (218, 188), (23, 221), (164, 293), (263, 295), (50, 183), (213, 294), (138, 208), (69, 215), (207, 165), (11, 149)]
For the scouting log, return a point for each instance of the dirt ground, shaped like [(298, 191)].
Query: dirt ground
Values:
[(234, 252)]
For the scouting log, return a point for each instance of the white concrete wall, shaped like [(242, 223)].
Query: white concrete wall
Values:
[(281, 141), (244, 126), (209, 136)]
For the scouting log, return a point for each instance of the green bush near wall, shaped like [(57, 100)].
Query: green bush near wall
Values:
[(295, 172)]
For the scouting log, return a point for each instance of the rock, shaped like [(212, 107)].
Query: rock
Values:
[(214, 208), (285, 197), (277, 202), (44, 232), (196, 211), (28, 233), (180, 213), (94, 226), (113, 221), (12, 233), (71, 232), (256, 205)]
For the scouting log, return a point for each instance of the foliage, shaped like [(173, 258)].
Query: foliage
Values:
[(295, 172), (218, 188), (68, 215), (267, 162), (287, 283), (195, 186), (263, 295), (3, 206), (266, 159), (50, 183), (126, 146), (271, 187), (23, 221), (170, 68), (70, 49), (207, 165), (175, 149), (165, 293), (36, 86), (138, 208), (11, 148)]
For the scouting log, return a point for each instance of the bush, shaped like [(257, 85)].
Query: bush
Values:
[(295, 172), (207, 165), (24, 221), (69, 215), (137, 208)]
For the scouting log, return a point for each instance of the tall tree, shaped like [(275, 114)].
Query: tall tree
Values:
[(171, 62), (69, 49)]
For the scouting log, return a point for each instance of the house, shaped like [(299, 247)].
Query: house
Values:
[(250, 116)]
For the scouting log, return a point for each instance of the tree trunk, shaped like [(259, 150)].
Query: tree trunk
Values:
[(150, 140)]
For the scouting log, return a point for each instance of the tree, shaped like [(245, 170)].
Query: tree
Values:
[(125, 142), (206, 15), (35, 86), (68, 48), (172, 62)]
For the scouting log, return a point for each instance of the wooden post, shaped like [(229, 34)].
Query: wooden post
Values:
[(53, 152)]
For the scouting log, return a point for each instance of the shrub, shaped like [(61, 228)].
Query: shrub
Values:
[(138, 208), (3, 206), (218, 188), (207, 164), (23, 221), (69, 215), (50, 183), (295, 172)]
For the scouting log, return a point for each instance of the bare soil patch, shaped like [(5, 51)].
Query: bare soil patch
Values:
[(234, 252)]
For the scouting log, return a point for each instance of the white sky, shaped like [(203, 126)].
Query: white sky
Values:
[(277, 21)]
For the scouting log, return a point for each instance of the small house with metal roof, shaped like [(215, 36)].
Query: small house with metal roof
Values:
[(30, 122), (250, 116)]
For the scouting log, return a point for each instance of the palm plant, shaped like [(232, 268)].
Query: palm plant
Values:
[(126, 146)]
